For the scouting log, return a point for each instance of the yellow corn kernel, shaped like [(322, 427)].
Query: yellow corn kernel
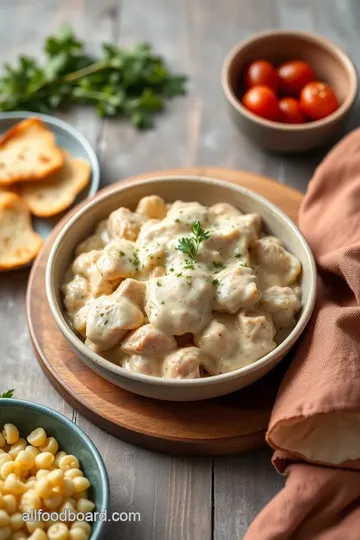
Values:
[(69, 462), (30, 500), (58, 456), (16, 521), (25, 460), (30, 485), (72, 473), (5, 533), (4, 518), (68, 488), (14, 485), (84, 506), (56, 477), (80, 484), (33, 525), (43, 487), (11, 433), (17, 447), (41, 473), (37, 437), (54, 501), (67, 506), (38, 534), (44, 460), (10, 503), (10, 467), (78, 534), (33, 450), (82, 525), (4, 458), (51, 445), (58, 531)]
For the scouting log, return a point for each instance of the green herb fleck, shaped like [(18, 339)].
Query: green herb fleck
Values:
[(102, 314), (190, 244), (136, 261), (163, 302), (215, 282), (177, 220), (158, 284), (189, 265), (8, 394), (238, 254), (218, 265), (122, 254), (106, 322), (171, 270), (179, 275)]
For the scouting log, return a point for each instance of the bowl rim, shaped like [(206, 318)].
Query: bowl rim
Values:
[(98, 525), (317, 40), (72, 132), (79, 345)]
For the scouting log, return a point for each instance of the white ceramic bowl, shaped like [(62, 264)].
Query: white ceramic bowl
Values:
[(207, 191)]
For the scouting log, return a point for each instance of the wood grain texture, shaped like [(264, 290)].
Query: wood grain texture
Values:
[(238, 421), (174, 495)]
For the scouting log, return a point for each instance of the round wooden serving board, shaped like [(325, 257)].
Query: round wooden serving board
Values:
[(226, 425)]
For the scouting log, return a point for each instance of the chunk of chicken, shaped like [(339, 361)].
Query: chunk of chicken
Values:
[(220, 341), (76, 293), (233, 236), (94, 242), (86, 265), (188, 212), (276, 266), (184, 363), (142, 364), (152, 207), (179, 304), (108, 320), (134, 290), (256, 333), (123, 223), (235, 287), (80, 318), (282, 304), (148, 341), (223, 210), (118, 260)]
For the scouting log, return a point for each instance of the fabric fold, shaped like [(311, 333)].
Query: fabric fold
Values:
[(316, 416)]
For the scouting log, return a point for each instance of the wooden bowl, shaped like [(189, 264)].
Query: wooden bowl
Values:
[(207, 191), (330, 64)]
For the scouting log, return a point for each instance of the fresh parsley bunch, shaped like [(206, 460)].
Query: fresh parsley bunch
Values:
[(190, 244), (132, 83)]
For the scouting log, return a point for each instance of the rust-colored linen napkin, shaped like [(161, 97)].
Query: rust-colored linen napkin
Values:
[(315, 424)]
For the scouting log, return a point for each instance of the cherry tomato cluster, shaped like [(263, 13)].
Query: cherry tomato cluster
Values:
[(289, 94)]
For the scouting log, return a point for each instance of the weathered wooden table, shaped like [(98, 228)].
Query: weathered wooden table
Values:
[(178, 498)]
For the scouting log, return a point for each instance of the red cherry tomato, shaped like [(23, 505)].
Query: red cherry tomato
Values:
[(290, 111), (293, 76), (318, 100), (262, 101), (261, 73)]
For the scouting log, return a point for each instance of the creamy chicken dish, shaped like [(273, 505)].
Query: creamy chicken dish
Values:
[(182, 290)]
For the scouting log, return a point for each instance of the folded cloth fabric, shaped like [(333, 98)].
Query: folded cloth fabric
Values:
[(316, 416)]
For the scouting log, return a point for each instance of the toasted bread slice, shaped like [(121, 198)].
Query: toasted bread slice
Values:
[(58, 191), (28, 153), (19, 243)]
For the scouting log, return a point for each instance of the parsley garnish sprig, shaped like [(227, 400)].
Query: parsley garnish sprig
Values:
[(130, 82), (190, 244), (8, 394)]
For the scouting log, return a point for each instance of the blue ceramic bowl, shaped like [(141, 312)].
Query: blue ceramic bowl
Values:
[(28, 416)]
